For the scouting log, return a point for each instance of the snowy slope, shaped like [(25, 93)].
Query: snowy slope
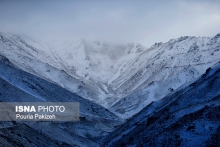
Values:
[(163, 68), (19, 86), (188, 117), (82, 67), (95, 63)]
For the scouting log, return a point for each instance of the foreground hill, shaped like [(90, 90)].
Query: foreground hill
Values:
[(188, 117), (19, 86)]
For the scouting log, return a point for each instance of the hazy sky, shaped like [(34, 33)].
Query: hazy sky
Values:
[(124, 21)]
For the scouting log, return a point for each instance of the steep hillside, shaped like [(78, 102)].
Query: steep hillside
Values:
[(162, 69), (188, 117), (19, 86)]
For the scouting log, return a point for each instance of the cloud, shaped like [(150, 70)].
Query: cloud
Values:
[(141, 21)]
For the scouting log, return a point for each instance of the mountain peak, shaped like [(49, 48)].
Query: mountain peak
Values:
[(157, 44), (217, 35), (214, 40)]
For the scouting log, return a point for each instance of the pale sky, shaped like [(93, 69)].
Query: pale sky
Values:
[(121, 21)]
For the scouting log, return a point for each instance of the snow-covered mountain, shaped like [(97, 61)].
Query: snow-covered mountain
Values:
[(122, 78), (113, 82)]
